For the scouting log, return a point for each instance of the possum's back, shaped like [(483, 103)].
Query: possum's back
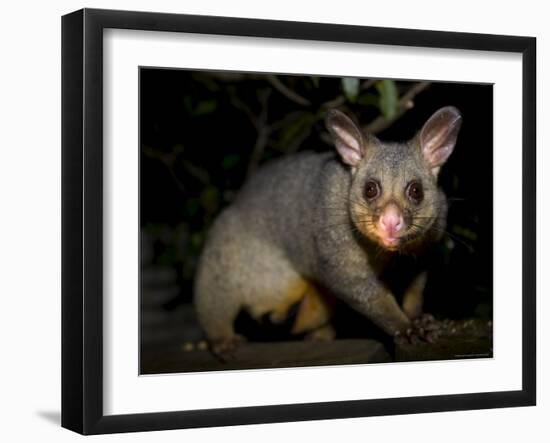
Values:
[(277, 203)]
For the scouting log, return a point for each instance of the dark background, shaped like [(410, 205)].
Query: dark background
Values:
[(203, 133)]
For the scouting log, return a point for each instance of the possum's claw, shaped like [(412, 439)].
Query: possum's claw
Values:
[(422, 329), (224, 349)]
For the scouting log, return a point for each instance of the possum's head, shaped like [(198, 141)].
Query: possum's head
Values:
[(394, 199)]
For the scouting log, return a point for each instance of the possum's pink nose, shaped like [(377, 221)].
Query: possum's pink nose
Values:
[(391, 221)]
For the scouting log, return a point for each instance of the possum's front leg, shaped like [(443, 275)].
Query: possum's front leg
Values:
[(352, 278), (424, 326), (382, 309), (414, 296), (364, 293)]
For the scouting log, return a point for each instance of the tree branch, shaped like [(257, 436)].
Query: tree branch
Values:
[(287, 92), (263, 133), (169, 160), (341, 99), (405, 103)]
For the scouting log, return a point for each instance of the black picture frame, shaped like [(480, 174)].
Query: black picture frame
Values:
[(82, 220)]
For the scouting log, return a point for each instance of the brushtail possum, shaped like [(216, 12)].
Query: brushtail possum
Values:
[(316, 223)]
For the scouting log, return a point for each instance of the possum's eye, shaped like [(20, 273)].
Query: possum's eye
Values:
[(415, 191), (372, 190)]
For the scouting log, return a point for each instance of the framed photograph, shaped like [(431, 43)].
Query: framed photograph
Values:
[(269, 221)]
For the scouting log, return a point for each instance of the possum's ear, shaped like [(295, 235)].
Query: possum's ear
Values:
[(347, 137), (438, 136)]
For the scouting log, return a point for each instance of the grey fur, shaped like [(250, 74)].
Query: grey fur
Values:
[(302, 217)]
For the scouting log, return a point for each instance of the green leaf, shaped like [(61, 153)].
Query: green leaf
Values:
[(206, 107), (350, 86), (197, 239), (191, 207), (207, 81), (315, 81), (389, 98), (209, 198), (464, 232), (368, 99), (295, 128), (188, 104), (230, 161)]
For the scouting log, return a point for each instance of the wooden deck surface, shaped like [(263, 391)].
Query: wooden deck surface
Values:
[(176, 357), (168, 334)]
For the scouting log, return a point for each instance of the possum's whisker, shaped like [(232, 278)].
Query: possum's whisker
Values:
[(454, 237), (340, 214), (350, 224), (339, 225), (337, 214), (426, 220), (334, 208), (379, 251), (361, 203), (419, 228)]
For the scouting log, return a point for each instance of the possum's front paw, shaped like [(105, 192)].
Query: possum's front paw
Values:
[(424, 328), (224, 349)]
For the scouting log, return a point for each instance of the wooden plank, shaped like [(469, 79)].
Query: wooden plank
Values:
[(172, 359)]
